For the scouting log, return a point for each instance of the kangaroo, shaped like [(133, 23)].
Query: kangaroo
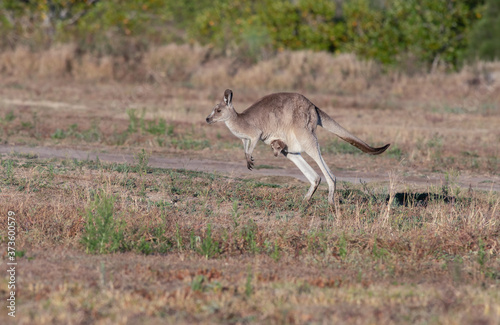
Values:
[(278, 146), (292, 119)]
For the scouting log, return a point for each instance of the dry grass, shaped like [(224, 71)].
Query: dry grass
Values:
[(432, 259), (322, 72), (207, 248), (174, 63), (309, 71)]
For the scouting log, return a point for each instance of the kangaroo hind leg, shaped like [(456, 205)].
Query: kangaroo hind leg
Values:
[(315, 154), (308, 172)]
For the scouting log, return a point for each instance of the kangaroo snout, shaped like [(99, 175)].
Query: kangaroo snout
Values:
[(210, 118)]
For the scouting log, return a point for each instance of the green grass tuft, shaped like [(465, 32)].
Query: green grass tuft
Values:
[(102, 233)]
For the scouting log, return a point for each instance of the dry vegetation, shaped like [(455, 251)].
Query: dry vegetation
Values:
[(128, 243)]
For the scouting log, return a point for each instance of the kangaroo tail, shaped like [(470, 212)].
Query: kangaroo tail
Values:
[(329, 123)]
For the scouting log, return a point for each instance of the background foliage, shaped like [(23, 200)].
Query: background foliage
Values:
[(485, 36), (421, 33)]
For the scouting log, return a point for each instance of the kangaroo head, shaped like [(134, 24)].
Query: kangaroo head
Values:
[(222, 111), (278, 146)]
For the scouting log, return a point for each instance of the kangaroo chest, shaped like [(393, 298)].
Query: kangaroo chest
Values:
[(239, 130)]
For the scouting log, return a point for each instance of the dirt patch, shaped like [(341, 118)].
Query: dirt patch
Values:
[(49, 104), (238, 169)]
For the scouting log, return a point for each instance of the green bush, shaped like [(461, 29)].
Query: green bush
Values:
[(420, 33), (102, 233), (484, 39), (209, 246), (255, 28)]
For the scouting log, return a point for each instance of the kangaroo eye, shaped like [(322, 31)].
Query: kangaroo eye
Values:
[(218, 110)]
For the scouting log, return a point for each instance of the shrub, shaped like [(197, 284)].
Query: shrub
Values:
[(253, 29), (483, 39), (409, 32), (102, 233), (422, 31)]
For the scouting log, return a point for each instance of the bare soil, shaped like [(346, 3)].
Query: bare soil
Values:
[(267, 168)]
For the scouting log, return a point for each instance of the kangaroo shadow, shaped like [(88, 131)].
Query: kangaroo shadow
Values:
[(406, 199), (420, 199)]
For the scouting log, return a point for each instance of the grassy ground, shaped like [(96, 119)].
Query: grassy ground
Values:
[(128, 243)]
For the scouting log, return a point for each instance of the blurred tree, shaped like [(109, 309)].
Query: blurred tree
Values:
[(25, 18), (232, 26), (304, 24), (96, 25), (120, 27), (368, 33), (15, 21), (115, 26), (422, 31), (484, 40), (249, 27), (62, 12)]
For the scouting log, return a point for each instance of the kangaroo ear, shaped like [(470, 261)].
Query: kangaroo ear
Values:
[(228, 96)]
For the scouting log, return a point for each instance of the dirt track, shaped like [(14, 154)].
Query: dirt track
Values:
[(239, 168)]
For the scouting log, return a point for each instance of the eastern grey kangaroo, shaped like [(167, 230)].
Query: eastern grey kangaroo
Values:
[(291, 118)]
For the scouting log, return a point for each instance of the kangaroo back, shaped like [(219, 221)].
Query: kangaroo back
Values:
[(329, 124)]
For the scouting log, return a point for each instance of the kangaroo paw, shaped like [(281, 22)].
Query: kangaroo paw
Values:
[(250, 165), (250, 161)]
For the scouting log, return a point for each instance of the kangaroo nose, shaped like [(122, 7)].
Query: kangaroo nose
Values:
[(207, 119)]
